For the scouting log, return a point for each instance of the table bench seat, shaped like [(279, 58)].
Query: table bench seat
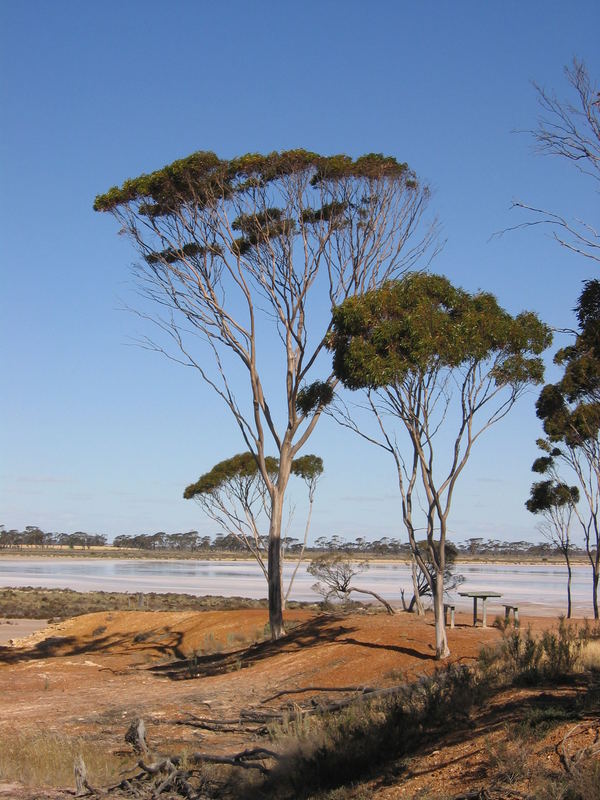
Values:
[(483, 596), (449, 607)]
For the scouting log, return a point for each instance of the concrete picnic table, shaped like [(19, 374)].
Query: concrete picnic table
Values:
[(483, 596)]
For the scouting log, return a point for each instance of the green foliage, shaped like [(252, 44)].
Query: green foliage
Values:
[(335, 572), (172, 256), (245, 465), (313, 397), (423, 322), (203, 178), (307, 467), (546, 495), (329, 211), (570, 409), (261, 228)]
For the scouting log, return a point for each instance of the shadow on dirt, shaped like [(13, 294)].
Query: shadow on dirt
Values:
[(315, 632), (166, 644), (161, 642)]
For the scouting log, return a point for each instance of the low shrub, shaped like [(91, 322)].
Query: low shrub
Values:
[(524, 659), (331, 751)]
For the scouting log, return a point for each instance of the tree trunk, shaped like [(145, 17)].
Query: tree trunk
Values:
[(595, 591), (441, 640), (275, 568), (416, 601), (569, 571)]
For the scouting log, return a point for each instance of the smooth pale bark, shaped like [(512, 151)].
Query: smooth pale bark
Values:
[(441, 640), (416, 601)]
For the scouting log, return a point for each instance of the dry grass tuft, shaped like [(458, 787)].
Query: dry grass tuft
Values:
[(39, 757)]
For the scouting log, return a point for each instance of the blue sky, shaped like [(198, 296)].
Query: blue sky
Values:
[(99, 435)]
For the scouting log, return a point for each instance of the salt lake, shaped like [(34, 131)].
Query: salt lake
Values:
[(539, 587)]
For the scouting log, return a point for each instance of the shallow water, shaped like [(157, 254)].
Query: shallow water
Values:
[(539, 587)]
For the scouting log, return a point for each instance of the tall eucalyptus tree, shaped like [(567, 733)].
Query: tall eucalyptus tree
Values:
[(244, 259)]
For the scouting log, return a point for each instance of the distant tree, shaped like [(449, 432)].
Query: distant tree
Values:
[(431, 357), (556, 502), (335, 573), (570, 129), (34, 536), (473, 545), (235, 496)]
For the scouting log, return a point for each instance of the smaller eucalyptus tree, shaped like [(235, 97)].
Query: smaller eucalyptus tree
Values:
[(431, 358), (556, 502), (234, 495)]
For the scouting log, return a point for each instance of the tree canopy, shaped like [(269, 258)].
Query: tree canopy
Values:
[(546, 495), (203, 176), (423, 322), (244, 465)]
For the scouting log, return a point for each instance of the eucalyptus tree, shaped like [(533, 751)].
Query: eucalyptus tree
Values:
[(234, 495), (570, 411), (432, 359), (245, 258), (556, 502)]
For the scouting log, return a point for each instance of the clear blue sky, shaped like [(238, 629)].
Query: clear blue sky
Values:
[(100, 436)]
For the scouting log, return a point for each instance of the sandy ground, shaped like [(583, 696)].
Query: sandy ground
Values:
[(90, 676), (14, 629)]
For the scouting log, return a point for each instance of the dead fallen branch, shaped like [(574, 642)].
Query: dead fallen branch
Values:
[(378, 597), (359, 689), (571, 759), (256, 721)]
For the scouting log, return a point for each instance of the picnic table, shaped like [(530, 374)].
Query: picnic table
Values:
[(483, 596)]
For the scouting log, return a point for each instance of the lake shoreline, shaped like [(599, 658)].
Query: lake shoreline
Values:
[(135, 555), (533, 586)]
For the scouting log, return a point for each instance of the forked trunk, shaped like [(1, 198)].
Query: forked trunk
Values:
[(441, 640)]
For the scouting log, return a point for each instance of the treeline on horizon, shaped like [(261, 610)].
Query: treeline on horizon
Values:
[(194, 542)]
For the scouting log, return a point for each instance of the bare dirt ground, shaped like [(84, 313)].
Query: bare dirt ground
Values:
[(90, 676), (15, 629)]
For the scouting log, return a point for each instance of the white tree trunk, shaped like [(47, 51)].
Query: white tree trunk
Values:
[(441, 640)]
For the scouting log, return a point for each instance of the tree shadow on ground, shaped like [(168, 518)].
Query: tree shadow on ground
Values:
[(161, 642), (394, 648), (308, 634)]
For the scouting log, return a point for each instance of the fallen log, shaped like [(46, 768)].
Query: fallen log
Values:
[(361, 689)]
